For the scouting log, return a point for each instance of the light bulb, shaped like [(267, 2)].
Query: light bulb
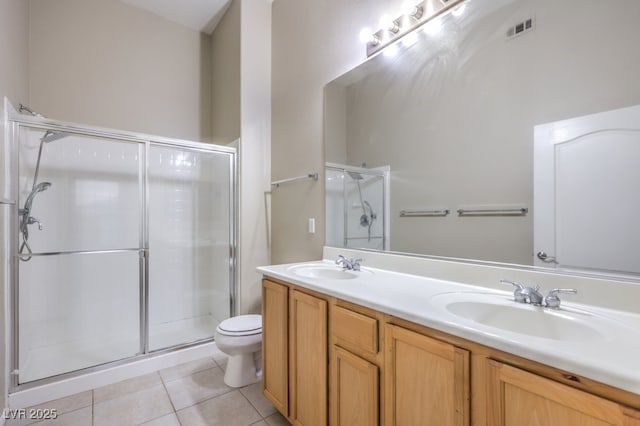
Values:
[(409, 9), (366, 35), (387, 23)]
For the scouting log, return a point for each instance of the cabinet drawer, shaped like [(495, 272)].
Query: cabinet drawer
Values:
[(355, 330)]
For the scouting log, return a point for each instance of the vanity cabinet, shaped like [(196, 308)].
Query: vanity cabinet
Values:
[(355, 367), (275, 344), (517, 397), (427, 381), (328, 361), (308, 366), (354, 389), (294, 351)]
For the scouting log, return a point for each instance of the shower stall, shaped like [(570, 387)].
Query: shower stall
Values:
[(356, 204), (117, 245)]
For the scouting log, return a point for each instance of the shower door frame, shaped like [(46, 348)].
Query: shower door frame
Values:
[(13, 123)]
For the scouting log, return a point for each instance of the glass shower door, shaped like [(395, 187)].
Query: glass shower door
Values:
[(190, 197), (80, 241)]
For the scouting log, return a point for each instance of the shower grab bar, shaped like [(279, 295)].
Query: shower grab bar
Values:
[(424, 213), (58, 253), (277, 183), (521, 211)]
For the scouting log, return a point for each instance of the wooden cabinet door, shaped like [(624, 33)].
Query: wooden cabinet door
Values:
[(520, 398), (308, 346), (275, 344), (426, 380), (354, 390)]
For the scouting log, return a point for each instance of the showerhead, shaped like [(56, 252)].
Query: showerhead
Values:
[(42, 186), (355, 175), (50, 136)]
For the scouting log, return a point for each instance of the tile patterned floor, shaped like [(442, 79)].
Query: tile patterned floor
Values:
[(190, 394)]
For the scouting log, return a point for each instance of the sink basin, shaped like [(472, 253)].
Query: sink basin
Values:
[(324, 271), (501, 312)]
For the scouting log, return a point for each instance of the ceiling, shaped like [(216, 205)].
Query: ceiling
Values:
[(200, 15)]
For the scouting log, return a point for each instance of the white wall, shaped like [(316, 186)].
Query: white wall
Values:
[(313, 43), (104, 63), (14, 83)]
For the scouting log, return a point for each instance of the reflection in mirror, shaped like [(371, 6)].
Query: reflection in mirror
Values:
[(454, 116), (356, 205)]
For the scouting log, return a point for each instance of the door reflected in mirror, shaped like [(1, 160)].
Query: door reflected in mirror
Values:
[(454, 116)]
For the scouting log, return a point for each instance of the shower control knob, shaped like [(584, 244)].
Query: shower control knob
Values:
[(31, 220)]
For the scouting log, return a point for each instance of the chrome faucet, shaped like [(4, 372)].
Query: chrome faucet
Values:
[(553, 301), (532, 295), (523, 294), (348, 264)]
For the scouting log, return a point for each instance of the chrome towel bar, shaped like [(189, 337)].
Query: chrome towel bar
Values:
[(277, 183), (424, 213), (522, 211)]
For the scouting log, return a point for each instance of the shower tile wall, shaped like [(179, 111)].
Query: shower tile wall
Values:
[(334, 207), (79, 310), (372, 192), (189, 245)]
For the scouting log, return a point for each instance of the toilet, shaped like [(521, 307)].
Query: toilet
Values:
[(241, 338)]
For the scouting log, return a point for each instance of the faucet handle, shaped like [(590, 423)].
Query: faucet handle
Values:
[(517, 292), (553, 301), (31, 220), (355, 263)]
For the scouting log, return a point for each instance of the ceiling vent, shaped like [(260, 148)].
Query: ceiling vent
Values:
[(520, 28)]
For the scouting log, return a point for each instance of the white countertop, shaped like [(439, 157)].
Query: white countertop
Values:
[(613, 358)]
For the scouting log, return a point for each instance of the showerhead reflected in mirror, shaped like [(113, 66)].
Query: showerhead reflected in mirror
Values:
[(454, 116), (51, 136), (357, 206)]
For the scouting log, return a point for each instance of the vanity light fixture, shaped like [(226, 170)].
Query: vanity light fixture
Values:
[(369, 38), (413, 16)]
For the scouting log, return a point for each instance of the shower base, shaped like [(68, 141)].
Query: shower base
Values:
[(48, 361), (173, 333)]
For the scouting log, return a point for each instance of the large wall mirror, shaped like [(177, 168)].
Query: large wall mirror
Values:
[(474, 141)]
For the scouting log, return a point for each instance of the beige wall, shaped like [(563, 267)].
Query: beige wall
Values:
[(241, 46), (255, 147), (313, 43), (14, 84), (104, 63), (14, 44), (225, 85)]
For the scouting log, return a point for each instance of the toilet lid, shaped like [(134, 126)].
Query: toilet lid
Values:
[(249, 324)]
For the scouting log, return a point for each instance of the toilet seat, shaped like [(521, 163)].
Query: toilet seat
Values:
[(242, 325)]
